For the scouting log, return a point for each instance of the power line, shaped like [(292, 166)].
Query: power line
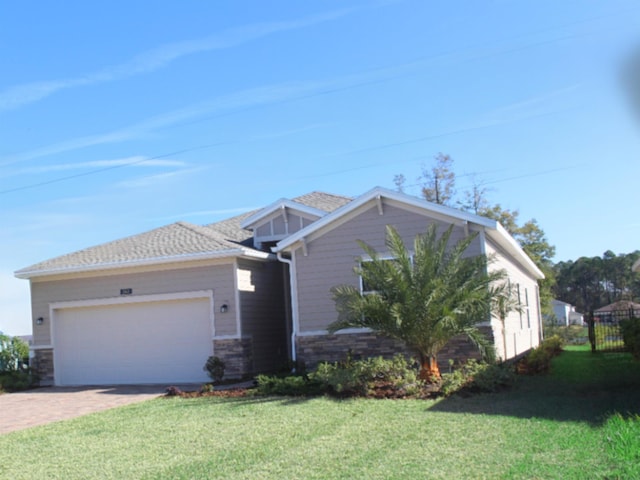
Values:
[(114, 167)]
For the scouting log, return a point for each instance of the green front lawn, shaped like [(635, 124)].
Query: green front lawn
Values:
[(559, 426)]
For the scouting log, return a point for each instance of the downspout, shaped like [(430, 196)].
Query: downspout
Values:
[(294, 306)]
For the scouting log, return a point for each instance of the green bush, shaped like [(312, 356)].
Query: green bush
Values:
[(14, 354), (539, 359), (17, 380), (215, 368), (364, 377), (293, 385), (630, 329), (474, 376)]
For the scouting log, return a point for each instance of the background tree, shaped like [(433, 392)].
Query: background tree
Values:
[(439, 180), (425, 298), (438, 186), (593, 282)]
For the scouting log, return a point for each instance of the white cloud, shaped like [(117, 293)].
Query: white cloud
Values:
[(157, 58), (152, 180), (250, 98), (137, 161)]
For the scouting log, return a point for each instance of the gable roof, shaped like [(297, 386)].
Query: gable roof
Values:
[(317, 204), (620, 305), (491, 227), (172, 243)]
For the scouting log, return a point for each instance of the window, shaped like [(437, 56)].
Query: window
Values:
[(519, 305), (526, 302), (365, 287)]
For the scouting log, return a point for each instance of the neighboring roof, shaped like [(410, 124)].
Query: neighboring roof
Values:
[(622, 305), (493, 228), (172, 243), (555, 300)]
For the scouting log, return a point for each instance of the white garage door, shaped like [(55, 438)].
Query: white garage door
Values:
[(135, 343)]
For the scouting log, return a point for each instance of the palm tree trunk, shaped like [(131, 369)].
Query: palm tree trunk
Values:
[(429, 370)]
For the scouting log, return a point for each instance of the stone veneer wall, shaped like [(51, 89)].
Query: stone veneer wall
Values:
[(237, 355), (314, 349), (42, 364)]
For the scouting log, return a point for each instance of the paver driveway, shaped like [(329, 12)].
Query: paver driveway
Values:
[(45, 405)]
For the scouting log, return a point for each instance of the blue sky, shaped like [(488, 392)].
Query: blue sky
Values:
[(119, 117)]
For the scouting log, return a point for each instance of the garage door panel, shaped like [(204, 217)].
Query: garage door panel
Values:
[(134, 343)]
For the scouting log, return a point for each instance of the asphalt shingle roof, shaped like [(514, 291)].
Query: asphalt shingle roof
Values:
[(175, 240)]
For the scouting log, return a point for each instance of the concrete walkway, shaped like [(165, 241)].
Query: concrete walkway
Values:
[(45, 405)]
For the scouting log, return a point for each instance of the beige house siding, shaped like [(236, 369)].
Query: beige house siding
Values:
[(219, 278), (522, 329), (261, 293), (331, 257)]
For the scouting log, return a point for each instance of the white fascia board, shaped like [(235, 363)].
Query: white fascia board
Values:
[(231, 253), (250, 222), (379, 192), (506, 241)]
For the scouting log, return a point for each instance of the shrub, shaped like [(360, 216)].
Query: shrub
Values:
[(474, 376), (17, 380), (207, 388), (630, 329), (539, 359), (293, 385), (173, 392), (14, 354), (394, 377), (215, 368)]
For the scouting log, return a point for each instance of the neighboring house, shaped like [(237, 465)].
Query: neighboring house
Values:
[(253, 290), (565, 314), (617, 311)]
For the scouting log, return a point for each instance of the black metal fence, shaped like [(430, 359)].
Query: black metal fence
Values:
[(604, 329)]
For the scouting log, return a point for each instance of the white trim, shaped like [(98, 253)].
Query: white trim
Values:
[(433, 208), (237, 252), (250, 222), (130, 299), (492, 228), (227, 337), (236, 294), (99, 302), (346, 331), (293, 287)]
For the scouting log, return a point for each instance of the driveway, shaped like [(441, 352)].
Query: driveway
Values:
[(45, 405)]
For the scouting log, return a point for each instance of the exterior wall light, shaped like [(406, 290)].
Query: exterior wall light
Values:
[(224, 308), (39, 321)]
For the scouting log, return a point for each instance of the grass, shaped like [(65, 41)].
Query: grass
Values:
[(558, 426)]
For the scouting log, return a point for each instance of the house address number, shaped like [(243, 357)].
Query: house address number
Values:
[(126, 291)]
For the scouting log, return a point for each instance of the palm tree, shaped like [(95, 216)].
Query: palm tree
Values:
[(423, 298)]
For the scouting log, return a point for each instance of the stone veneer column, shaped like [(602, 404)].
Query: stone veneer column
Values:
[(42, 365), (237, 355)]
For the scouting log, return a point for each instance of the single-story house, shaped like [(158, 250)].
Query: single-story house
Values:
[(616, 311), (253, 290), (565, 313)]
